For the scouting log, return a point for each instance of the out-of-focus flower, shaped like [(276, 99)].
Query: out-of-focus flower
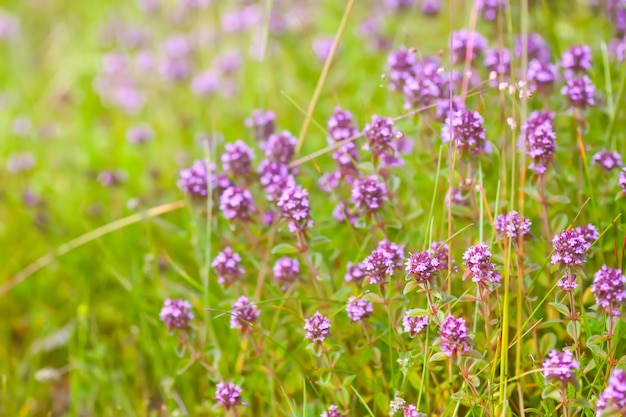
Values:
[(490, 8), (244, 314), (477, 260), (263, 124), (140, 133), (536, 47), (576, 59), (237, 159), (286, 270), (227, 266), (612, 400), (228, 395), (317, 327), (560, 367), (237, 203), (465, 127), (512, 225), (609, 287), (176, 314), (541, 75), (465, 43), (295, 209), (414, 325), (580, 92), (358, 308)]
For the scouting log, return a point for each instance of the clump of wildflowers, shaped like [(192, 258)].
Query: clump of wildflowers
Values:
[(607, 160), (441, 252), (612, 400), (453, 336), (381, 136), (576, 59), (358, 308), (176, 314), (195, 181), (333, 411), (540, 140), (140, 133), (236, 203), (490, 8), (402, 66), (421, 266), (317, 327), (341, 125), (609, 287), (275, 177), (228, 395), (286, 270), (569, 248), (477, 260), (414, 325), (411, 411), (536, 47), (237, 159), (280, 147), (465, 127), (393, 251), (541, 75), (378, 266), (560, 367), (244, 314), (498, 61), (369, 193), (354, 272), (295, 209), (512, 225), (580, 92), (464, 42), (227, 266), (263, 125)]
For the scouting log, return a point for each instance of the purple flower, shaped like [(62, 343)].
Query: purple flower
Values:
[(621, 180), (237, 159), (541, 75), (477, 260), (589, 233), (381, 135), (9, 26), (577, 59), (453, 336), (275, 178), (280, 147), (393, 251), (262, 124), (608, 160), (322, 47), (536, 47), (490, 8), (512, 225), (465, 127), (464, 42), (568, 282), (295, 209), (346, 158), (617, 49), (140, 133), (455, 197), (411, 411), (414, 325), (176, 64), (205, 83), (613, 398), (431, 7), (286, 270), (609, 287), (244, 314), (368, 193), (228, 395), (560, 367), (194, 181), (580, 92), (569, 248), (343, 213), (421, 266), (378, 266), (341, 126), (498, 61), (540, 140), (227, 266), (355, 272), (333, 411), (441, 253), (402, 66), (317, 327), (420, 91), (399, 4), (236, 203), (447, 106), (176, 314), (358, 308)]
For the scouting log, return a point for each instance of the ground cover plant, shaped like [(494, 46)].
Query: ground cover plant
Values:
[(312, 208)]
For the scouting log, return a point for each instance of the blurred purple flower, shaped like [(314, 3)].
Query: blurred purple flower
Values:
[(236, 204), (244, 314), (381, 136), (537, 47), (498, 61), (358, 308), (411, 411), (355, 272), (9, 26), (176, 314), (205, 83), (176, 64), (612, 400), (237, 159), (275, 178), (607, 160), (378, 267), (539, 139), (569, 248), (281, 147), (369, 193), (317, 327), (477, 260), (580, 92), (466, 43), (227, 266), (333, 411), (341, 125), (286, 270), (609, 287), (490, 8), (431, 7), (140, 133), (322, 46), (422, 267), (402, 66), (228, 395), (453, 336), (541, 75), (263, 124), (414, 325), (576, 59), (112, 178), (512, 225), (393, 251), (465, 127), (560, 367), (295, 208), (20, 162)]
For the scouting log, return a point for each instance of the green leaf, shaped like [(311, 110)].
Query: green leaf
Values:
[(561, 308), (439, 356), (550, 391), (416, 312), (562, 199), (573, 330), (410, 287), (284, 248)]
